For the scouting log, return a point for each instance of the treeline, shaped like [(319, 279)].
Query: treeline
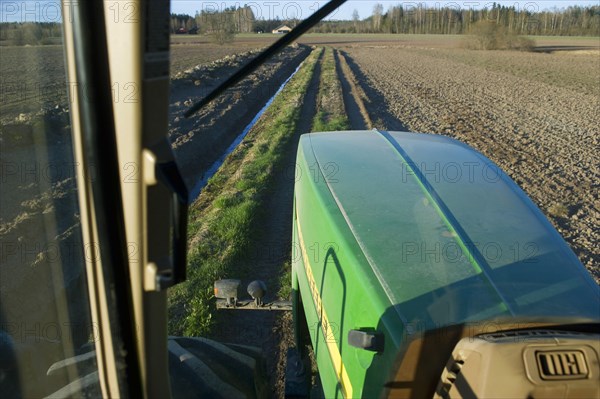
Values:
[(572, 21), (222, 26), (182, 23), (412, 19), (232, 19), (30, 33)]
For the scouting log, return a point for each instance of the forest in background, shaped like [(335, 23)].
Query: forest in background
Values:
[(224, 25), (572, 21)]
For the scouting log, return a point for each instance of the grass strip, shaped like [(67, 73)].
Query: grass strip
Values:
[(222, 222), (331, 114)]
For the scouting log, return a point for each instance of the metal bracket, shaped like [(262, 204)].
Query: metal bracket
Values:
[(251, 305)]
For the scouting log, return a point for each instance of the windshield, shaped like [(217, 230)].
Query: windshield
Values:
[(44, 306)]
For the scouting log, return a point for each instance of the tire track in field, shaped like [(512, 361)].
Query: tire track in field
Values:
[(352, 94), (374, 103)]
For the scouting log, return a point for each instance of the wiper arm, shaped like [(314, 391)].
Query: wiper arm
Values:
[(265, 55)]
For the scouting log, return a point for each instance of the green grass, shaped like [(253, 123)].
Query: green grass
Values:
[(325, 123), (331, 115), (223, 221)]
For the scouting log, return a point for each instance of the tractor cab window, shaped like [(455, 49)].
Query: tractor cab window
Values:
[(44, 303)]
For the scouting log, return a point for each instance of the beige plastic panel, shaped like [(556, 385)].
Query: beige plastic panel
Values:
[(140, 111), (508, 367), (107, 365)]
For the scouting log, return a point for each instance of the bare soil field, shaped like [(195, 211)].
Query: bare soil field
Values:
[(188, 51), (31, 79), (543, 43), (33, 105), (33, 74), (39, 225), (33, 99), (39, 221)]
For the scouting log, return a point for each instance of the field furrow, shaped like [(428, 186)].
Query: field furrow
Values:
[(353, 96)]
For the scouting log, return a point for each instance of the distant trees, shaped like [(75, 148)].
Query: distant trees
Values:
[(355, 20), (418, 19), (377, 17), (220, 26), (182, 23), (224, 25), (489, 35), (30, 33)]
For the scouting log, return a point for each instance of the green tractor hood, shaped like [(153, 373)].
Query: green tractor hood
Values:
[(404, 234), (436, 219)]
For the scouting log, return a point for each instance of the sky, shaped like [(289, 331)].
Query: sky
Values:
[(303, 8), (49, 10)]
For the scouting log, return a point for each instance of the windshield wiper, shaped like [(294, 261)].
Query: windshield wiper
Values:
[(265, 55)]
